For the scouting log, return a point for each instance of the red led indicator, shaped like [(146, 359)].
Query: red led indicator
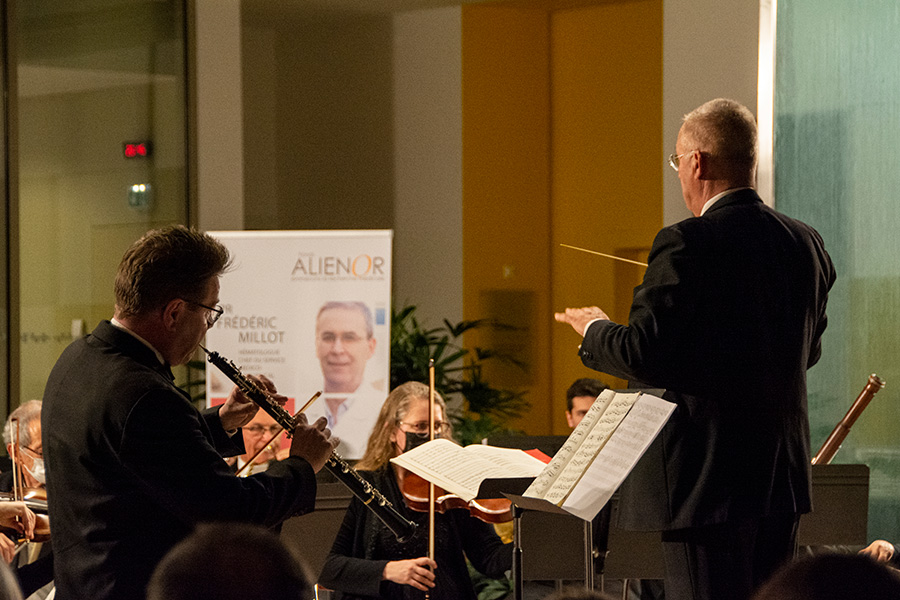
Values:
[(137, 149)]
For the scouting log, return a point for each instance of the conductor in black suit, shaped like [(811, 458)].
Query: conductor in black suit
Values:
[(728, 319), (132, 465)]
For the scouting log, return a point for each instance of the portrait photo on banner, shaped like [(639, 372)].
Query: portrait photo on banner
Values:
[(310, 310)]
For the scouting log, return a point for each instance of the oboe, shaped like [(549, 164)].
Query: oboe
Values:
[(400, 526)]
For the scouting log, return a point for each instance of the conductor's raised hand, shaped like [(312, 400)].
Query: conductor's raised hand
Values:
[(313, 442), (239, 410), (417, 572), (579, 318)]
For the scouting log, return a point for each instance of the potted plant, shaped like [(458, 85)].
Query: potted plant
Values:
[(480, 409)]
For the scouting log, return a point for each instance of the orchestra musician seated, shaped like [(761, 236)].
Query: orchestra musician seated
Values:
[(258, 447), (32, 564), (366, 561)]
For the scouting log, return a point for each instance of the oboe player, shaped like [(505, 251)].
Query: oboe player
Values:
[(132, 465)]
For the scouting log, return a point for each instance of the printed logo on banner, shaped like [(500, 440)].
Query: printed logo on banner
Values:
[(310, 266)]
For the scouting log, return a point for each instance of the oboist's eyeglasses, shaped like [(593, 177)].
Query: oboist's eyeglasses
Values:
[(212, 313)]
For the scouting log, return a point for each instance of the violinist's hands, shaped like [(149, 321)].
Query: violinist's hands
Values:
[(879, 550), (7, 548), (239, 410), (16, 517), (578, 318), (413, 571), (313, 442)]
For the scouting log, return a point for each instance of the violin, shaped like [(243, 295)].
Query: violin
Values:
[(34, 498), (490, 510), (41, 529)]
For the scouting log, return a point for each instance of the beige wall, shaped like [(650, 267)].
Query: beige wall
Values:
[(329, 104), (710, 50), (428, 174)]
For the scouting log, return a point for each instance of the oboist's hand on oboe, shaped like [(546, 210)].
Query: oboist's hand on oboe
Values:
[(239, 410), (313, 442)]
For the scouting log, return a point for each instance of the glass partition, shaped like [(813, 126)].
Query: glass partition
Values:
[(837, 122), (102, 146)]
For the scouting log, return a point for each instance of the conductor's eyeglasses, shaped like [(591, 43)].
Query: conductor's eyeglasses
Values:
[(212, 313), (674, 159)]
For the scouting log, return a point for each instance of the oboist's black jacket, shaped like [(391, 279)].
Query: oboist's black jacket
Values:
[(133, 466)]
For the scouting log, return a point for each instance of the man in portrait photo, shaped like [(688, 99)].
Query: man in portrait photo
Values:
[(344, 344)]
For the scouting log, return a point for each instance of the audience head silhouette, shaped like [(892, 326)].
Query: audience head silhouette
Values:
[(230, 561), (576, 593), (832, 577)]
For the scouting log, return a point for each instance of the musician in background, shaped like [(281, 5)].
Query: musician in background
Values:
[(30, 453), (366, 560), (579, 398), (33, 564), (728, 319), (132, 465), (256, 440)]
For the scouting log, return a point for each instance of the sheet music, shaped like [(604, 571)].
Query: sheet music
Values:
[(587, 452), (545, 480), (461, 470), (616, 459)]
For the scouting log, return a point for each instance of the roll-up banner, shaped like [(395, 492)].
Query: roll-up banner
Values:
[(310, 310)]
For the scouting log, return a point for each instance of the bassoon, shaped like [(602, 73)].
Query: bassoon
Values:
[(834, 441), (400, 526)]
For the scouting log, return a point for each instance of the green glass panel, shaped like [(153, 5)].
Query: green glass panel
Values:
[(837, 167)]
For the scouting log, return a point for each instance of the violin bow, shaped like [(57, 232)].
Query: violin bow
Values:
[(18, 491), (431, 492)]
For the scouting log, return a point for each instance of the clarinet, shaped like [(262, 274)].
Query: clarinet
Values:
[(400, 526)]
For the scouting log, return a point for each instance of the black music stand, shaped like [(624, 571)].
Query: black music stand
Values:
[(554, 528)]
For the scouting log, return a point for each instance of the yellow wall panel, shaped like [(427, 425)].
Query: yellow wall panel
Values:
[(562, 143), (606, 173), (506, 136)]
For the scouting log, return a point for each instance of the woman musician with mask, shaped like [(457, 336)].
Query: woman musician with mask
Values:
[(366, 560)]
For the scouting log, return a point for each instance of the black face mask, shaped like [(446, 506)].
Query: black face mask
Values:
[(414, 440)]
